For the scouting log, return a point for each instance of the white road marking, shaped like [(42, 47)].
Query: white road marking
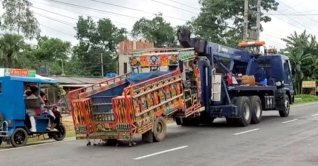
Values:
[(165, 151), (290, 121), (35, 145), (314, 115), (246, 131)]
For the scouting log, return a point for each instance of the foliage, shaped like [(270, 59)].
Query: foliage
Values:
[(221, 21), (96, 40), (19, 18), (12, 50), (302, 51), (156, 30)]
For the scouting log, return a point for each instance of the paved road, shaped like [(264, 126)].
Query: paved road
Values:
[(291, 141)]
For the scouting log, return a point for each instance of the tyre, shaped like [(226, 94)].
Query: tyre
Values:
[(1, 120), (59, 136), (0, 141), (160, 129), (256, 108), (244, 108), (148, 136), (286, 110), (19, 137)]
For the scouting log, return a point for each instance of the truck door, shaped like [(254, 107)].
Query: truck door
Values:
[(288, 81)]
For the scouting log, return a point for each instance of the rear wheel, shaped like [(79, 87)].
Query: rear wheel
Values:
[(160, 129), (243, 107), (147, 136), (0, 141), (59, 136), (256, 109), (285, 112), (19, 137)]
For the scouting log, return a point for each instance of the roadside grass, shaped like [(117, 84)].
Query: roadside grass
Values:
[(301, 99)]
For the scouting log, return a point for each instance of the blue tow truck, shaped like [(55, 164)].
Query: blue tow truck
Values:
[(224, 96)]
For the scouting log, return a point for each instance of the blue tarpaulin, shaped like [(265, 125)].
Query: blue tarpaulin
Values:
[(135, 78)]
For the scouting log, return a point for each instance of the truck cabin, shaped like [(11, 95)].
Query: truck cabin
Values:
[(13, 103)]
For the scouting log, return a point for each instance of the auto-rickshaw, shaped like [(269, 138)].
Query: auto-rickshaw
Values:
[(14, 124)]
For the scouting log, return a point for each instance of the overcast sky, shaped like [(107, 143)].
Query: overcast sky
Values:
[(62, 23)]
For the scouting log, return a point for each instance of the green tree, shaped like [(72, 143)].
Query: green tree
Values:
[(51, 52), (156, 30), (302, 52), (12, 50), (96, 40), (18, 18), (221, 21)]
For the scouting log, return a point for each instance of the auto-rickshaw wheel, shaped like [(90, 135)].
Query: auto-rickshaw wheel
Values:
[(61, 134), (19, 137), (0, 141)]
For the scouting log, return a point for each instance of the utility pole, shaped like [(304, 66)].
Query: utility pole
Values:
[(258, 20), (102, 64), (245, 31)]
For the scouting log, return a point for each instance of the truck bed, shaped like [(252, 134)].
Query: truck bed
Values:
[(252, 88)]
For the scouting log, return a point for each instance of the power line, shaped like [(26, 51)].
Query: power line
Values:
[(294, 6), (106, 3), (174, 7), (98, 10), (75, 12), (63, 22), (184, 5), (56, 30), (55, 13), (299, 12)]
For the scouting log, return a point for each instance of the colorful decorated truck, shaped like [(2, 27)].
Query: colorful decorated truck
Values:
[(161, 85)]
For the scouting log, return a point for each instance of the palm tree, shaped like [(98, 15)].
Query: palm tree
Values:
[(11, 49), (297, 59)]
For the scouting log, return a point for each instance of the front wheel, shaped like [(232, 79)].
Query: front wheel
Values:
[(59, 136), (19, 137), (285, 112), (0, 141)]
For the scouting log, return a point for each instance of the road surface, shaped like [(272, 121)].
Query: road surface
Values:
[(290, 141)]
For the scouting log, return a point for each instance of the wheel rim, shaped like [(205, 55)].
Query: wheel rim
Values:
[(258, 110), (159, 128), (246, 111), (287, 106), (19, 137)]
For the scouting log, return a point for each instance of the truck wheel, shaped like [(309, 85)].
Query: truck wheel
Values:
[(286, 110), (19, 137), (147, 136), (243, 106), (1, 120), (159, 130), (256, 107)]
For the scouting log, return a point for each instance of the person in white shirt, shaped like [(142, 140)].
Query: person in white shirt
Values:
[(31, 111)]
